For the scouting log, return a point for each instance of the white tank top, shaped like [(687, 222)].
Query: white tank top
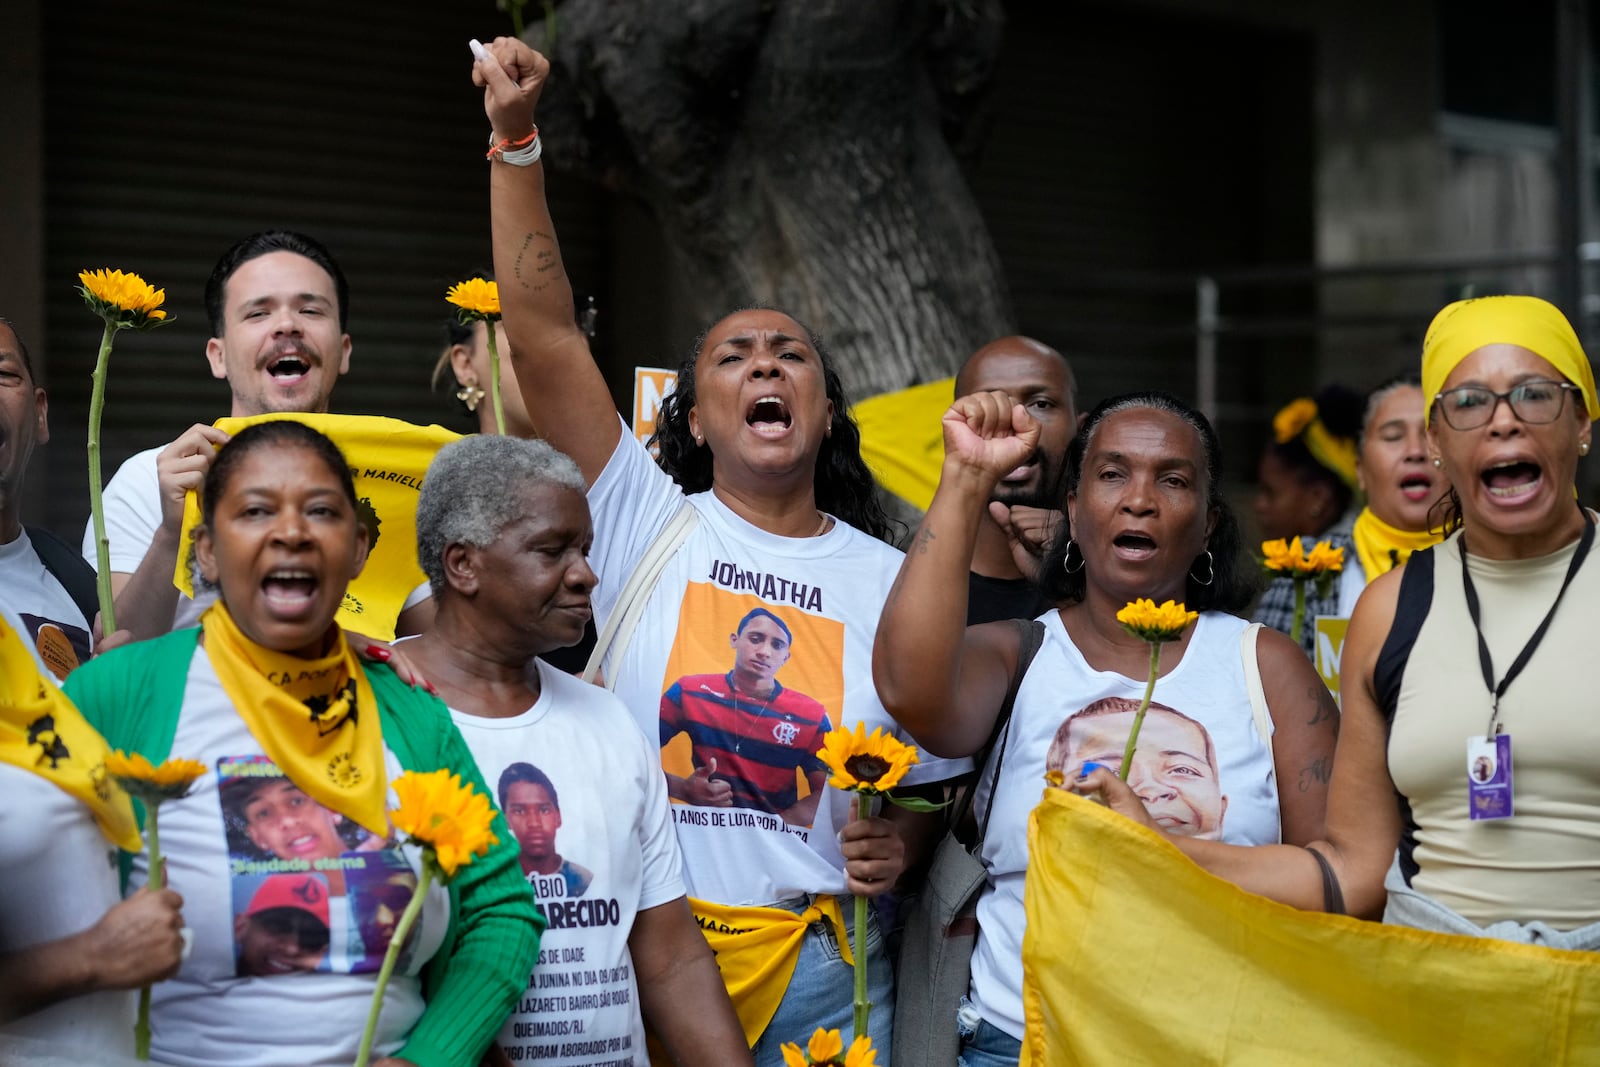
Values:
[(1202, 767)]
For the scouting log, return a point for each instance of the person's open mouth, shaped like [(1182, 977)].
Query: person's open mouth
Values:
[(1512, 481), (769, 416), (289, 591), (1134, 545), (1416, 487)]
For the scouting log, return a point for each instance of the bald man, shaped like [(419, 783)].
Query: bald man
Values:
[(1028, 500)]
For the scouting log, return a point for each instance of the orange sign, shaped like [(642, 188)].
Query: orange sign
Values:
[(651, 385)]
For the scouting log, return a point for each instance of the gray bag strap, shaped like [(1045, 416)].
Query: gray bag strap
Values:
[(618, 631), (1032, 636)]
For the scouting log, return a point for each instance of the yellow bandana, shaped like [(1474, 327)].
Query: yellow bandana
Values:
[(387, 460), (757, 949), (1382, 547), (316, 718), (1526, 321), (41, 731)]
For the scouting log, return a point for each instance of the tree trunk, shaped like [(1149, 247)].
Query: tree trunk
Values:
[(795, 155)]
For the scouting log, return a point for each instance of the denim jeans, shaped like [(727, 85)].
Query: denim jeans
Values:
[(984, 1044), (822, 991)]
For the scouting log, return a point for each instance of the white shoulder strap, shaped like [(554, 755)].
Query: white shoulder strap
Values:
[(641, 583), (1252, 679)]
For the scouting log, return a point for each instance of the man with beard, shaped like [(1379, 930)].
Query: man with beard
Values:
[(278, 303), (1027, 502)]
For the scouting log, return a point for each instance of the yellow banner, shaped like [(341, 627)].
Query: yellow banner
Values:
[(1134, 955), (902, 439), (387, 459)]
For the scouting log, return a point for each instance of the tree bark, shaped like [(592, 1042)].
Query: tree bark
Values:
[(796, 154)]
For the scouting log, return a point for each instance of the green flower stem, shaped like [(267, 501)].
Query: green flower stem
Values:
[(102, 546), (1299, 609), (1144, 706), (157, 880), (494, 377), (408, 919), (863, 1007)]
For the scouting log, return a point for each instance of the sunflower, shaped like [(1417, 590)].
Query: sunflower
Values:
[(826, 1049), (477, 298), (123, 300), (865, 763), (448, 818), (172, 780), (1148, 622), (1288, 557)]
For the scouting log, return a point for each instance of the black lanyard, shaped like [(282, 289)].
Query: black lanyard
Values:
[(1484, 659)]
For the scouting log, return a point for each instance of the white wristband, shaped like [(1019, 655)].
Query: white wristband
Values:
[(525, 156)]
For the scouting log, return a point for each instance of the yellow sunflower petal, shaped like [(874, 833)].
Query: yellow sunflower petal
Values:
[(792, 1056), (861, 1053), (476, 296), (452, 819), (123, 299), (825, 1045), (1149, 622), (170, 781), (873, 763)]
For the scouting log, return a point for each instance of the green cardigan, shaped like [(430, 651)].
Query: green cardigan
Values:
[(134, 694)]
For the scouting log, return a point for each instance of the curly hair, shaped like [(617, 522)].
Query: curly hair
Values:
[(843, 484), (1233, 584)]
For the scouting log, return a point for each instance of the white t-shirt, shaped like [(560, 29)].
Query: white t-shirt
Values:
[(49, 618), (262, 893), (132, 501), (58, 876), (1211, 776), (618, 856), (827, 590)]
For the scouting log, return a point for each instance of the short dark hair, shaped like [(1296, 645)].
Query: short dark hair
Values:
[(842, 482), (1232, 586), (22, 346), (753, 612), (273, 432), (525, 772), (261, 244)]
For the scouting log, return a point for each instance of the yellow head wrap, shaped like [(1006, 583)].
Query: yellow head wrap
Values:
[(1526, 321)]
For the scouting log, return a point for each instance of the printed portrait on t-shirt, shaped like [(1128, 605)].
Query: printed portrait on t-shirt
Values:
[(312, 890), (532, 807), (1174, 769), (751, 688), (62, 645)]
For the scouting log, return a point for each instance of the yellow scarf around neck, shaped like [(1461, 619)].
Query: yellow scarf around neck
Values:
[(1382, 547), (316, 718), (41, 731)]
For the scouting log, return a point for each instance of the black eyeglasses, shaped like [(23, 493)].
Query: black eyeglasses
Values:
[(1472, 406)]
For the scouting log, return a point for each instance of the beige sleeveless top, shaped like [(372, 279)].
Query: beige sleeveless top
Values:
[(1544, 862)]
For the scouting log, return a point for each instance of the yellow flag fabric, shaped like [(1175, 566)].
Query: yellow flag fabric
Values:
[(387, 459), (757, 949), (43, 732), (316, 718), (1134, 955), (902, 439)]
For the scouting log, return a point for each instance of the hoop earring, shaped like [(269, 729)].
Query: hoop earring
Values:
[(1211, 570), (469, 395), (1066, 558)]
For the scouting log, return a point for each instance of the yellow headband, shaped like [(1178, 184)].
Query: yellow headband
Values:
[(1526, 321), (1299, 418)]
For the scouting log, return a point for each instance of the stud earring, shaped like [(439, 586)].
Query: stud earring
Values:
[(1583, 448), (1437, 462), (469, 394)]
